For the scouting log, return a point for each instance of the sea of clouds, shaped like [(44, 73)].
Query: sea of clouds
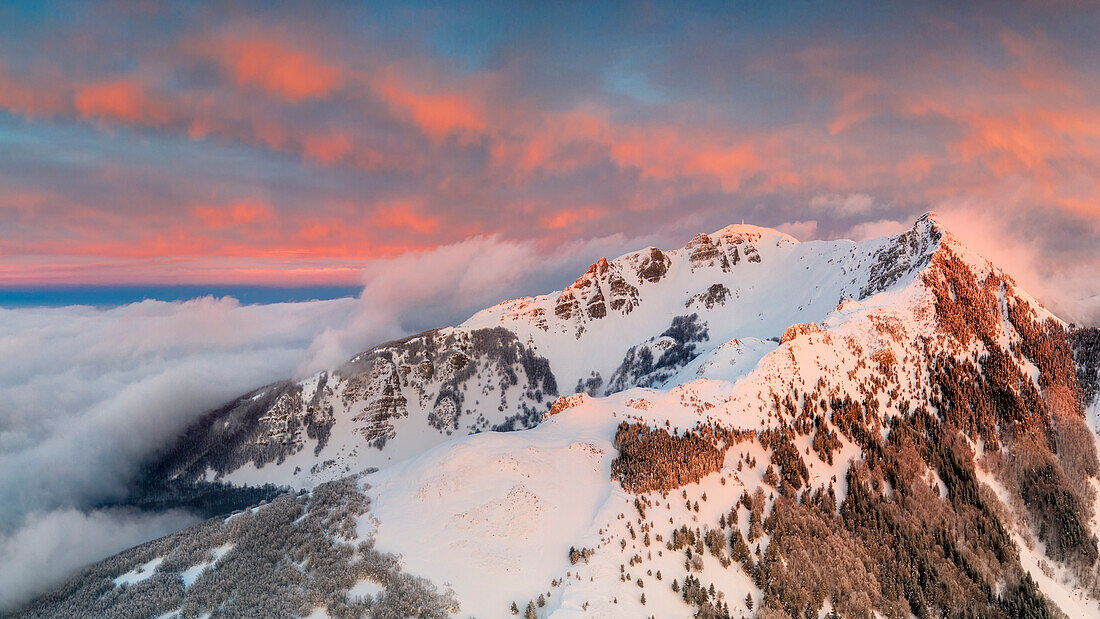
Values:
[(88, 393)]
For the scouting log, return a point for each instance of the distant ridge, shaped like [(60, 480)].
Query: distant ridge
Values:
[(112, 295)]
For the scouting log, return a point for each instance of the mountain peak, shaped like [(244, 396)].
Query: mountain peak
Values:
[(756, 264), (931, 221), (754, 232), (929, 215)]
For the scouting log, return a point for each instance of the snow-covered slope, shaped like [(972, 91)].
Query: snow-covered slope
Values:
[(741, 282), (745, 425)]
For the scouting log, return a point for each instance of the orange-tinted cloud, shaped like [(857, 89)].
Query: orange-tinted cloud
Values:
[(567, 219), (556, 142), (438, 115), (405, 216), (328, 148), (122, 100), (229, 216), (272, 66), (1030, 139), (666, 152)]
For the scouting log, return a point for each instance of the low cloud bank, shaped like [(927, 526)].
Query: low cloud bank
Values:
[(86, 394), (50, 546)]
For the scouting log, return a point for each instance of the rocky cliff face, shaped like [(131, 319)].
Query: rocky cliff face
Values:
[(436, 383)]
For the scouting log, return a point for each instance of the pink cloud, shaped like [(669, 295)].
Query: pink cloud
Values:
[(801, 230), (270, 65), (437, 114), (123, 100)]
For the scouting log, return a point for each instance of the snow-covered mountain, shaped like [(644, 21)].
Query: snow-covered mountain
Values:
[(747, 424), (710, 309)]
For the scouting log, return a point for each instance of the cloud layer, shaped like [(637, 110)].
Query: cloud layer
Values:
[(88, 393), (54, 544)]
